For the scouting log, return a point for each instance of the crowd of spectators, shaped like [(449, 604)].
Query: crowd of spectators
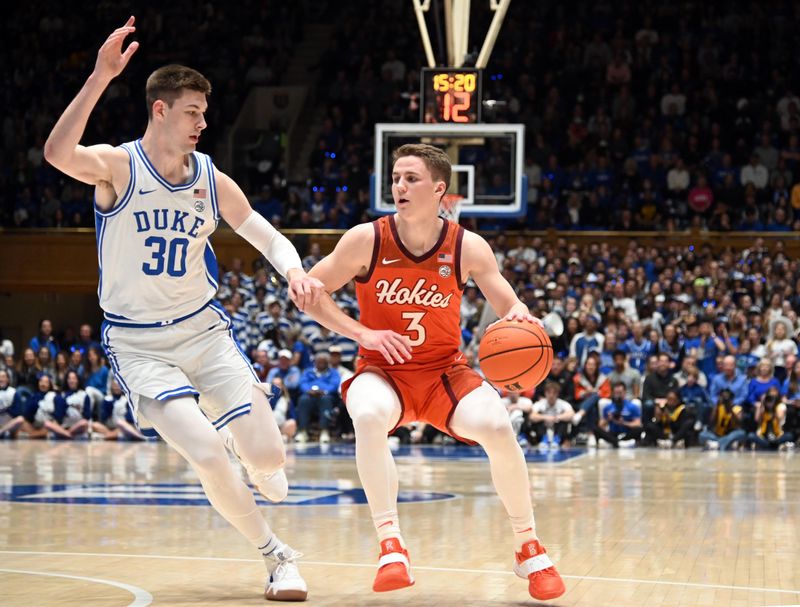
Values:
[(675, 347), (638, 116), (49, 50)]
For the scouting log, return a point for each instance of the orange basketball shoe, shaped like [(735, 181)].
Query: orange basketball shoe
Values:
[(394, 567), (533, 563)]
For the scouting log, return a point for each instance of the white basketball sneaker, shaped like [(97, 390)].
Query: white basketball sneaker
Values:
[(285, 582), (274, 486)]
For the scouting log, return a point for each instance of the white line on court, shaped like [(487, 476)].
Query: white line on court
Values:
[(616, 580), (142, 598)]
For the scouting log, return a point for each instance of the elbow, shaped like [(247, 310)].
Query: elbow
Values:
[(52, 154)]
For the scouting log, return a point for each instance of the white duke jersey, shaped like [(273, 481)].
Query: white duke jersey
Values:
[(156, 263)]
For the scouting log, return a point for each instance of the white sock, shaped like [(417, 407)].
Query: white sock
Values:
[(524, 530), (387, 524), (270, 546)]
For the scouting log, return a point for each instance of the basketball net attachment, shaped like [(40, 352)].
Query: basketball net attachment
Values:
[(450, 207)]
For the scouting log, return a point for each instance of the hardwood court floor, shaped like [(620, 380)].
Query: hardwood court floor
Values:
[(118, 524)]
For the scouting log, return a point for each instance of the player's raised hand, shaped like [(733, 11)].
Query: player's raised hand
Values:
[(394, 347), (111, 59), (304, 290)]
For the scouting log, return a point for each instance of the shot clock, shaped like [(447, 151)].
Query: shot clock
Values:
[(450, 95)]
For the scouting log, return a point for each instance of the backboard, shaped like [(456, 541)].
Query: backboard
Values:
[(487, 164)]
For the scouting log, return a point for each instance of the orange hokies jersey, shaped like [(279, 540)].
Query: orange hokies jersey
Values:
[(415, 296)]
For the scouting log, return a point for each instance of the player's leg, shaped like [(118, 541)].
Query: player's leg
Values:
[(181, 423), (256, 440), (480, 416), (237, 404), (375, 409)]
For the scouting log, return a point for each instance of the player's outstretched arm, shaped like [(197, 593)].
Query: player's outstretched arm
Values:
[(279, 251), (352, 257), (62, 149), (479, 262)]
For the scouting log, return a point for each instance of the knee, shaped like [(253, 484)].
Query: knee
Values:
[(494, 431), (267, 458), (369, 421), (210, 462)]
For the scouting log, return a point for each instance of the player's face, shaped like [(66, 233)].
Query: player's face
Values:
[(413, 189), (186, 119)]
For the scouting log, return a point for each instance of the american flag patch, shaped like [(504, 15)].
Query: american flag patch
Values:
[(200, 193), (445, 258)]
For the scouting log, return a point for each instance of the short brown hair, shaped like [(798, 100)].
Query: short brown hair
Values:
[(436, 161), (552, 385), (167, 84)]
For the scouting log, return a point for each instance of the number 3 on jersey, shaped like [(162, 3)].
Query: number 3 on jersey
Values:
[(415, 325)]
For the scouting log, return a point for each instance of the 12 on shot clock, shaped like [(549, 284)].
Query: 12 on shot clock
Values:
[(450, 95)]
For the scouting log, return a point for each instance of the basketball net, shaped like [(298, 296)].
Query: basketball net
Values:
[(450, 207)]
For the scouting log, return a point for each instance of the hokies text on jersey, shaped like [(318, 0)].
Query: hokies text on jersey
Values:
[(419, 294)]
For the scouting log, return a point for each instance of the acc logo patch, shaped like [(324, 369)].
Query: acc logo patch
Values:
[(199, 206), (445, 271)]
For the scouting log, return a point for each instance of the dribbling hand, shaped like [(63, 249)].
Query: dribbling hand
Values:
[(110, 58), (393, 346), (520, 317), (304, 290)]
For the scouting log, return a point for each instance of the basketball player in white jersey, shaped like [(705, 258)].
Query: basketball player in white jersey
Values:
[(157, 201), (410, 270)]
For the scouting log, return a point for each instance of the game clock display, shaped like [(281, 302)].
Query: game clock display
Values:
[(450, 95)]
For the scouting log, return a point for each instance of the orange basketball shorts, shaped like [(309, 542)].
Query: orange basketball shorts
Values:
[(425, 395)]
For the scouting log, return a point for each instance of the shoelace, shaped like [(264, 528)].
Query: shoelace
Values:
[(283, 568)]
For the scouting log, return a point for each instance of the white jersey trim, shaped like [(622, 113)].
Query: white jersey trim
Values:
[(152, 170), (126, 197)]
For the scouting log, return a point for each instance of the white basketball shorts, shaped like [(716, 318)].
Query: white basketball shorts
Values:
[(198, 356)]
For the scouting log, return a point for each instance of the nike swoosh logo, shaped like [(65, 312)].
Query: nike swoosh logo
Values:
[(143, 192), (386, 262)]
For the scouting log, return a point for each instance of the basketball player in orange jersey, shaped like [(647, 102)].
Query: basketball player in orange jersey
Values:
[(410, 269)]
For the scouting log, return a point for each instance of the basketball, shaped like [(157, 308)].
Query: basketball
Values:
[(515, 356)]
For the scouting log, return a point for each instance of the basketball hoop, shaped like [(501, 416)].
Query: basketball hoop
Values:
[(450, 207)]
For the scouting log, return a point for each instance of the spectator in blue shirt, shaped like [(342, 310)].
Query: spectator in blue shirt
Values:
[(97, 371), (638, 348), (85, 340), (588, 340), (745, 359), (729, 379), (45, 338), (696, 396), (289, 373), (318, 385), (705, 348), (621, 421), (791, 386), (762, 382)]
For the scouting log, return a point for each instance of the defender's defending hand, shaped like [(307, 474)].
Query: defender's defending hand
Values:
[(304, 290), (110, 58), (394, 347)]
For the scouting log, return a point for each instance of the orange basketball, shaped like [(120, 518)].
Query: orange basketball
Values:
[(515, 356)]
